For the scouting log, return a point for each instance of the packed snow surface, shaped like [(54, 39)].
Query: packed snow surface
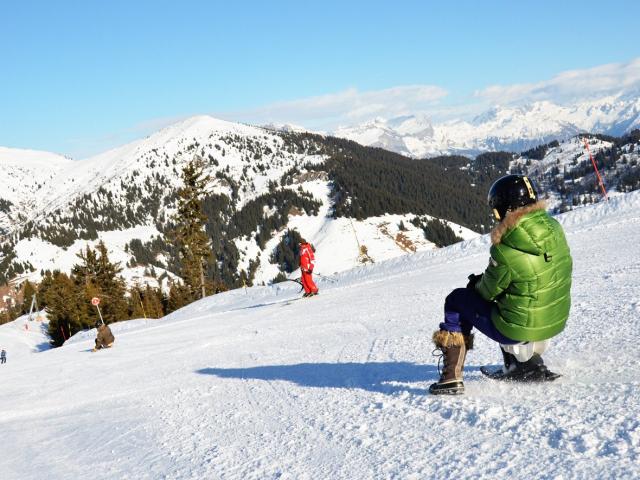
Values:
[(259, 383), (24, 336)]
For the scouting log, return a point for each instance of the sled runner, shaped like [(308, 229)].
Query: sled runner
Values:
[(537, 374)]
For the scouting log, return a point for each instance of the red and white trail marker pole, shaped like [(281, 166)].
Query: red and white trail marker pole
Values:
[(595, 167), (95, 301)]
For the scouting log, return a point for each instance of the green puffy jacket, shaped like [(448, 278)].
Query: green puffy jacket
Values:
[(529, 275)]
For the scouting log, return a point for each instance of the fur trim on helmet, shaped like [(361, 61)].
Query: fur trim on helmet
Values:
[(511, 219), (468, 341), (444, 339)]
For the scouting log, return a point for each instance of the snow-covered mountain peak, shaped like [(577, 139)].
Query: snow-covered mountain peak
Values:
[(410, 135), (171, 138), (202, 125), (37, 184), (501, 127), (36, 159), (25, 173), (418, 125), (199, 127), (129, 193), (488, 115), (285, 127)]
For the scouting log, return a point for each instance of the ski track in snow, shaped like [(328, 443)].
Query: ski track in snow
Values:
[(254, 386)]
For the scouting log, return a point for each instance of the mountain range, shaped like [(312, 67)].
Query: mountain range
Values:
[(264, 183), (357, 204), (509, 128)]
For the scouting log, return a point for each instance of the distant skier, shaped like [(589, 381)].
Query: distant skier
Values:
[(105, 338), (521, 300), (3, 356), (307, 262)]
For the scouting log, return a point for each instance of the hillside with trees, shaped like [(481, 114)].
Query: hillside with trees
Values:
[(220, 204)]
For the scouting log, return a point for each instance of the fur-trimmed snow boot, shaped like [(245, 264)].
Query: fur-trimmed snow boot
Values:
[(468, 344), (453, 346)]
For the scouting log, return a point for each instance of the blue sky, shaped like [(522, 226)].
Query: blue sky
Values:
[(78, 77)]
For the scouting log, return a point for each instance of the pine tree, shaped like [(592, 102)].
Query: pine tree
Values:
[(111, 286), (67, 311), (97, 276), (85, 272), (45, 284), (28, 291), (136, 305), (147, 302), (190, 238), (440, 233), (152, 299), (286, 253), (179, 296)]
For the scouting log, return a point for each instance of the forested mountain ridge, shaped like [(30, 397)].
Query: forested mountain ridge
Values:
[(262, 181), (337, 193), (565, 171)]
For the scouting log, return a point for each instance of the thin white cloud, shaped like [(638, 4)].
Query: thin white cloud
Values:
[(349, 106), (569, 86), (352, 106)]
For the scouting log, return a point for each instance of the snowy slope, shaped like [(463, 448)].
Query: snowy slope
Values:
[(24, 173), (129, 193), (147, 156), (338, 240), (512, 128), (46, 256), (126, 192), (161, 155), (256, 384), (23, 337), (566, 174)]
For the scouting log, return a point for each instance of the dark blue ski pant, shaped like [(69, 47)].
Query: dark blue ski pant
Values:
[(465, 309)]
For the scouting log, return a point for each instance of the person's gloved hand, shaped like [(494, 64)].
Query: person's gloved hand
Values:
[(473, 279)]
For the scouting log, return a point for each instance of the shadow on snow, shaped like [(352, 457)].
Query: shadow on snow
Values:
[(382, 377), (41, 347)]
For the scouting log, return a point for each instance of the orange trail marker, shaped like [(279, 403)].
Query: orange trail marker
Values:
[(595, 167)]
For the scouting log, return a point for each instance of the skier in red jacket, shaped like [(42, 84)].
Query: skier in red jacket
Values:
[(307, 262)]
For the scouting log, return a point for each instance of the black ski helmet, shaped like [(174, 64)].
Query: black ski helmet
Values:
[(511, 192)]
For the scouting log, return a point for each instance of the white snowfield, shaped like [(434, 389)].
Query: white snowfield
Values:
[(23, 337), (24, 174), (259, 384), (46, 256)]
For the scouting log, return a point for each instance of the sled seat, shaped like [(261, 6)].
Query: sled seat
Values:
[(525, 350)]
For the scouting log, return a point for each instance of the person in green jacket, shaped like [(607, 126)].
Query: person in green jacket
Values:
[(520, 301)]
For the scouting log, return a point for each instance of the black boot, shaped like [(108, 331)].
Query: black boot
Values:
[(533, 370), (452, 346), (509, 360)]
